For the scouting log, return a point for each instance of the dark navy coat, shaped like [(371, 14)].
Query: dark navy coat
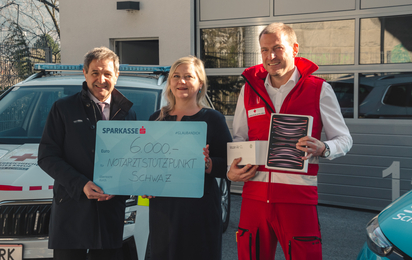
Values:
[(66, 153)]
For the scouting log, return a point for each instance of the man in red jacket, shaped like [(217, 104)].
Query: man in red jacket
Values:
[(280, 206)]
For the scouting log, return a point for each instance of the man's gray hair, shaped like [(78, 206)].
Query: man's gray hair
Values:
[(101, 53)]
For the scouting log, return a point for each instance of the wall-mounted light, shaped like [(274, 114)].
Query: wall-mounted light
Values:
[(128, 5)]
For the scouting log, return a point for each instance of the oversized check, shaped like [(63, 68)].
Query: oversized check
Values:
[(150, 158)]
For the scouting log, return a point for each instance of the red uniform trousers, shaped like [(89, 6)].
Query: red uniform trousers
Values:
[(294, 226)]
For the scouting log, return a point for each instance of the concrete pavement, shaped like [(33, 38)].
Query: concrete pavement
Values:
[(343, 231)]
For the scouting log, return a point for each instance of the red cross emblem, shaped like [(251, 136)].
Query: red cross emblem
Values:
[(23, 157)]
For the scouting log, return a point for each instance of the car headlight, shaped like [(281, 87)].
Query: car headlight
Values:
[(376, 240)]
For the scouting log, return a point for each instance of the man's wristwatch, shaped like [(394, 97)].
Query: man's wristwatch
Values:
[(326, 152)]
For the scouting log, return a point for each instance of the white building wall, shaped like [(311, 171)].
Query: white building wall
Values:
[(86, 24)]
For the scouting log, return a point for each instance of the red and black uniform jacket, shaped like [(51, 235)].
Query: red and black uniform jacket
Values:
[(276, 186)]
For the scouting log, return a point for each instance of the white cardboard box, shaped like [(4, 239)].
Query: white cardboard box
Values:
[(252, 152)]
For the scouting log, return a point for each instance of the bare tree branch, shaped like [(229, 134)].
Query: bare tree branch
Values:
[(50, 4), (30, 32), (56, 24)]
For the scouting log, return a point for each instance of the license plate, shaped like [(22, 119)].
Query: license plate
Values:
[(11, 252)]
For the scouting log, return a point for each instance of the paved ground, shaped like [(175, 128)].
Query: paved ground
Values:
[(343, 231)]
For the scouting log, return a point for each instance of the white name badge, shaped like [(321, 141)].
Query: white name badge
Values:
[(256, 112)]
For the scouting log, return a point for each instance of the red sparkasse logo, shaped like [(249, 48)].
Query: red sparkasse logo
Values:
[(142, 130)]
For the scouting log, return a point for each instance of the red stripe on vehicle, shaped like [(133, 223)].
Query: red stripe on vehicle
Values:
[(35, 188), (50, 187), (11, 188)]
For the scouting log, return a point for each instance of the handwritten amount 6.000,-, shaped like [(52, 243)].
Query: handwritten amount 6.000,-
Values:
[(149, 147)]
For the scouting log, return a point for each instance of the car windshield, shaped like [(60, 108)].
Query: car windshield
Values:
[(24, 110)]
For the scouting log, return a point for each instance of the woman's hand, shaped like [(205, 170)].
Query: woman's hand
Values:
[(208, 160), (148, 197)]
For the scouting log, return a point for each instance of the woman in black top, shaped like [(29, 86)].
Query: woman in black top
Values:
[(191, 228)]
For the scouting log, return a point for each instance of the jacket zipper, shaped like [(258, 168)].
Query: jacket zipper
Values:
[(270, 109), (269, 183), (290, 250)]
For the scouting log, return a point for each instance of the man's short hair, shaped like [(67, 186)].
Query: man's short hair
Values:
[(286, 29), (101, 53)]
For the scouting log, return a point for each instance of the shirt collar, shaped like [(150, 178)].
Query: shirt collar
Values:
[(292, 80), (107, 101)]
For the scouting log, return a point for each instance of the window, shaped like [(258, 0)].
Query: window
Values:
[(382, 40), (24, 111), (386, 40), (12, 117), (396, 96), (224, 91), (343, 86), (381, 95), (325, 43), (388, 95), (144, 52), (145, 101)]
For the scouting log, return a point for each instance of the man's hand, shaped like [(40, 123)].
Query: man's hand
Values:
[(311, 145), (93, 191), (241, 174)]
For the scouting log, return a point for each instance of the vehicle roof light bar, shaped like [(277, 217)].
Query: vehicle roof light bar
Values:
[(57, 67), (131, 68), (122, 68)]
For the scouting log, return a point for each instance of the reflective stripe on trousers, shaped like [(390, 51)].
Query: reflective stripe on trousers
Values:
[(286, 178)]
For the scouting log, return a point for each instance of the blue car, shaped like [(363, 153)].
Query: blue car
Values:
[(389, 233)]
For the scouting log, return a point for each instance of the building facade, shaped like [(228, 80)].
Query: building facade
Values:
[(363, 48), (162, 30)]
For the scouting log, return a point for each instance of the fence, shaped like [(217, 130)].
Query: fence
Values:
[(17, 63)]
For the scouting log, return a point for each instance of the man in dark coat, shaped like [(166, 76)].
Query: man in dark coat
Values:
[(83, 217)]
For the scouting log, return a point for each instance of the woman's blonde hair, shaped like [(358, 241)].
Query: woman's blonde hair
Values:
[(201, 75)]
